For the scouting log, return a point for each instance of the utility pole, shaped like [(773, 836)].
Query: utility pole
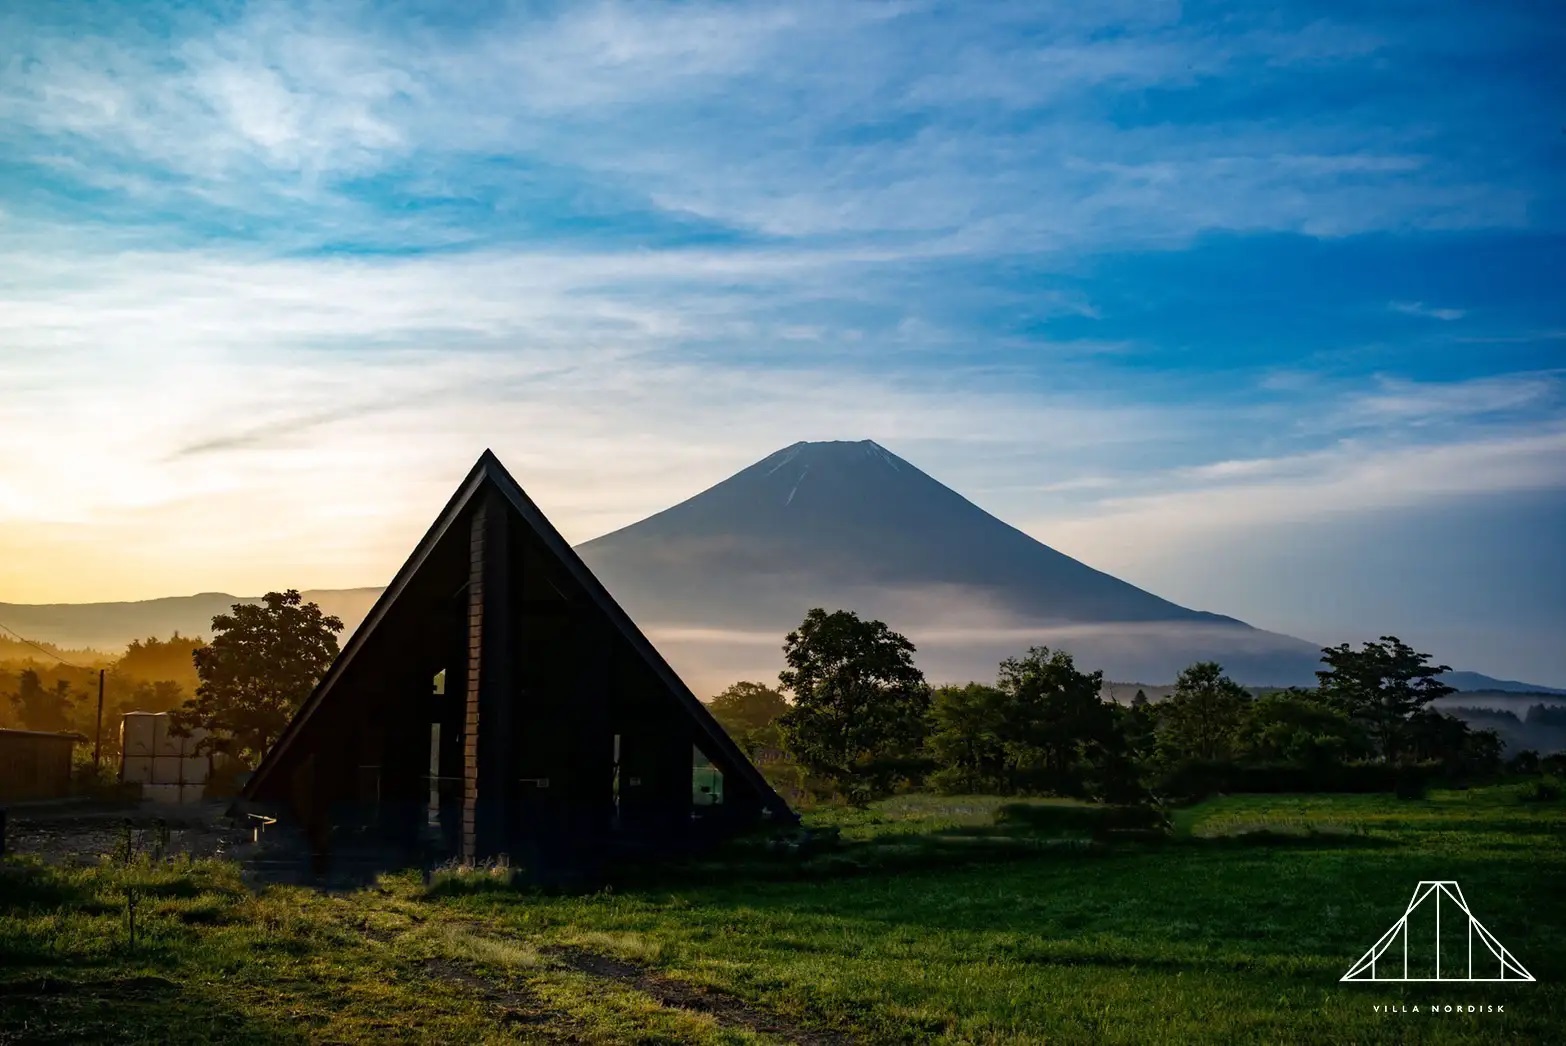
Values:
[(97, 745)]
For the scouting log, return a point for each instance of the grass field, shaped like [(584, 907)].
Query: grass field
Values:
[(945, 920)]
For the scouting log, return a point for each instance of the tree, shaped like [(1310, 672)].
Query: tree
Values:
[(39, 707), (263, 661), (1116, 768), (1295, 727), (153, 660), (749, 712), (1381, 687), (1201, 717), (968, 739), (1483, 752), (1139, 726), (1054, 716), (860, 706), (1461, 750)]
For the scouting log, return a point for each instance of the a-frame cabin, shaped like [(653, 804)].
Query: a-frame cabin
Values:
[(498, 701)]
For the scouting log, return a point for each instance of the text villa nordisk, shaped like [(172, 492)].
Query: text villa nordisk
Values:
[(1440, 1008)]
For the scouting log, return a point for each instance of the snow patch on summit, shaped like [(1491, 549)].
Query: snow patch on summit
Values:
[(790, 499)]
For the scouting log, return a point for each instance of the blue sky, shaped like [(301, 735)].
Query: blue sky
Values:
[(1260, 309)]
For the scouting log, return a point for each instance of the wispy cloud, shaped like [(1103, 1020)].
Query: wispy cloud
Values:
[(1351, 477), (1397, 400), (781, 120), (1428, 312)]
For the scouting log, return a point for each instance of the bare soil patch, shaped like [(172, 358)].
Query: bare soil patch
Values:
[(727, 1009)]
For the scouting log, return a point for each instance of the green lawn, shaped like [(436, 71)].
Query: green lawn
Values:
[(955, 920)]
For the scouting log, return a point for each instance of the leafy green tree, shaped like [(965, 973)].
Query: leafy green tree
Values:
[(263, 661), (1201, 717), (1139, 727), (1297, 728), (860, 705), (1054, 715), (750, 712), (1381, 687), (1483, 752), (1116, 765), (968, 739), (1437, 737)]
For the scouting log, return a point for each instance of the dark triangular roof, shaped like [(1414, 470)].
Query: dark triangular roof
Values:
[(489, 474)]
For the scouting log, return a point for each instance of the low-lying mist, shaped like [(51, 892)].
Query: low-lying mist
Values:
[(960, 638)]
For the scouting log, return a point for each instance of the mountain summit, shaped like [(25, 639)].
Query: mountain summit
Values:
[(822, 517), (852, 525)]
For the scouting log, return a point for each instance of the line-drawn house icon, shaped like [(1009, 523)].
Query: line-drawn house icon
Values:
[(1419, 947)]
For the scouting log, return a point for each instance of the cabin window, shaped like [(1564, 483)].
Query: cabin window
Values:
[(706, 780), (440, 683)]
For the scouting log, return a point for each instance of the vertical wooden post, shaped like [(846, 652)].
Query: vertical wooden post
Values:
[(97, 745), (473, 680), (487, 740)]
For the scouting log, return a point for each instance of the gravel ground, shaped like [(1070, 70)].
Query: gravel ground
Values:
[(77, 832), (82, 833)]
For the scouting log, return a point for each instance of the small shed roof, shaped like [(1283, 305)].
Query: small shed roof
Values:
[(58, 735)]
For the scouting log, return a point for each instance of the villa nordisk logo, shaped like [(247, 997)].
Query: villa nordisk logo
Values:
[(1438, 939)]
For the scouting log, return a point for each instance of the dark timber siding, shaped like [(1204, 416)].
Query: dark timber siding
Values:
[(35, 765)]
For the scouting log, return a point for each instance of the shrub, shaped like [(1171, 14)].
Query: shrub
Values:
[(1545, 790)]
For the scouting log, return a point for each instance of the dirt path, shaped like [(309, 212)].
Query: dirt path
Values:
[(521, 1012), (728, 1010)]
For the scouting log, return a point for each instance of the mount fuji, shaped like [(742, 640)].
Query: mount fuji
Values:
[(718, 579)]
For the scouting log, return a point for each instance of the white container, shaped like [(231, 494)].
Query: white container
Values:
[(164, 741), (137, 769), (138, 731), (166, 770), (193, 770), (159, 793), (192, 793)]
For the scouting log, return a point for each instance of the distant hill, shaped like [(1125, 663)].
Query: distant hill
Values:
[(717, 580), (110, 626), (1473, 681)]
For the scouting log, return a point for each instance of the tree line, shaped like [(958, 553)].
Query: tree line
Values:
[(152, 675), (853, 716)]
